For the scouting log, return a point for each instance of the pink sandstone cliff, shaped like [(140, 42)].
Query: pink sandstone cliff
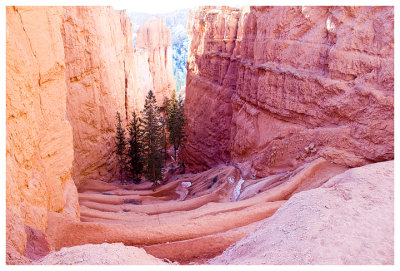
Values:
[(98, 58), (154, 37), (270, 88), (69, 70), (39, 150), (105, 74)]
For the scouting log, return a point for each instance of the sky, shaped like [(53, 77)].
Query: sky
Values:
[(166, 6), (153, 7)]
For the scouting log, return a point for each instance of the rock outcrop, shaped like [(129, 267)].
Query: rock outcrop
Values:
[(270, 88), (98, 57), (39, 148), (69, 70), (210, 84), (348, 220), (154, 37), (106, 74), (301, 93)]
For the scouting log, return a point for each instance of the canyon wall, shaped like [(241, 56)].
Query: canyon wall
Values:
[(210, 84), (39, 148), (154, 38), (106, 74), (270, 88), (69, 70), (98, 58)]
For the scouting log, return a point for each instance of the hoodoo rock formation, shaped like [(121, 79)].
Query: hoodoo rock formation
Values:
[(270, 88), (154, 37)]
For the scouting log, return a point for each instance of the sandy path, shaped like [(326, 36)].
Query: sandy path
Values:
[(348, 220), (185, 224), (68, 233), (103, 254), (199, 250)]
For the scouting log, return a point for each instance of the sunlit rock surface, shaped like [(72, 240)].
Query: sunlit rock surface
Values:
[(154, 37), (348, 220), (39, 148), (270, 88)]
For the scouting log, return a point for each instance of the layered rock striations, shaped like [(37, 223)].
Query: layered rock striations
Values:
[(106, 74), (154, 38), (270, 88), (69, 70), (98, 58), (39, 147), (210, 83)]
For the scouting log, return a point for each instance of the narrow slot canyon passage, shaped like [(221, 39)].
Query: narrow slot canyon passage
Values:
[(203, 136)]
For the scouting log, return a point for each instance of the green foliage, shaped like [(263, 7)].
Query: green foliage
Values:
[(152, 139), (135, 148), (165, 106), (176, 123), (164, 138), (120, 144), (145, 150)]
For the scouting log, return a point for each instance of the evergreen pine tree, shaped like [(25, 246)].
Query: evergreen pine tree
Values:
[(120, 144), (172, 122), (164, 138), (135, 148), (164, 109), (165, 106), (176, 123), (181, 129), (152, 139)]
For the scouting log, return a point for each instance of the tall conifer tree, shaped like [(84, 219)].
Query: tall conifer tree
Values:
[(120, 144), (164, 138), (152, 139), (135, 148), (181, 136), (176, 123)]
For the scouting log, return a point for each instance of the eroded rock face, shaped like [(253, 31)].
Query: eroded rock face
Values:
[(210, 84), (106, 74), (97, 47), (69, 70), (270, 88), (39, 148), (154, 38)]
